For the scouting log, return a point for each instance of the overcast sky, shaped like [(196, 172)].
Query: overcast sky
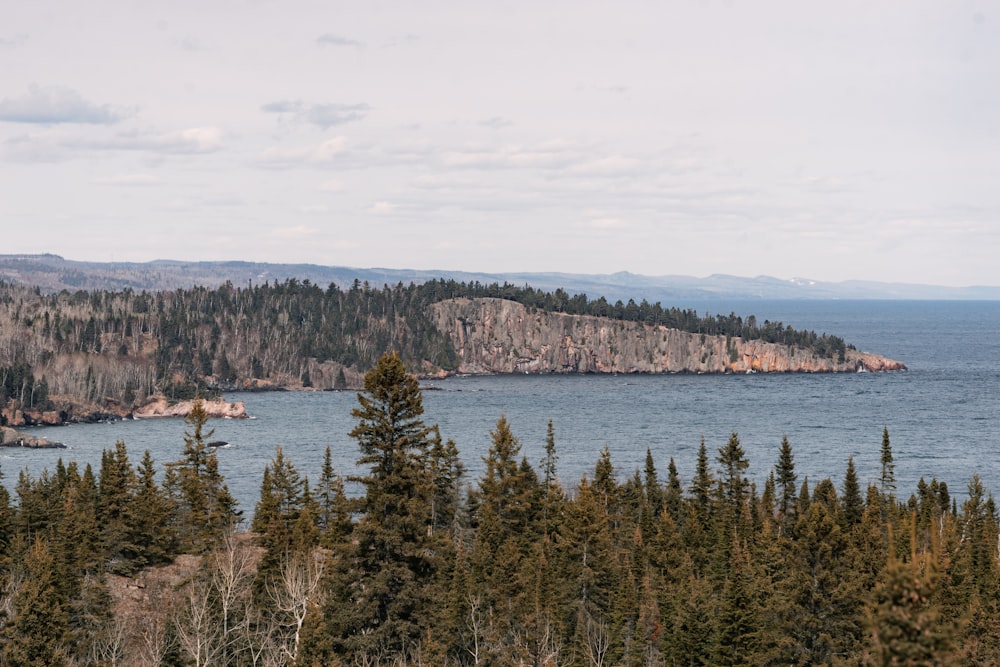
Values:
[(824, 140)]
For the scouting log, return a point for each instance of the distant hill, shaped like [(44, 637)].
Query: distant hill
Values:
[(52, 273)]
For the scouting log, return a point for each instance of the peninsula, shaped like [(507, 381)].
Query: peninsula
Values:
[(98, 355)]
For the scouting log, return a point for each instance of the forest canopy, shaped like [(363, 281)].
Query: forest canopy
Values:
[(428, 567), (107, 348)]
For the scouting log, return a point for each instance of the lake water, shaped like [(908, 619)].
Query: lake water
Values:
[(942, 414)]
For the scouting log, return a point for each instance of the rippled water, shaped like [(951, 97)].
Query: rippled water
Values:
[(942, 414)]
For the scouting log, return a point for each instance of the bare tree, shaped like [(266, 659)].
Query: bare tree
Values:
[(198, 631), (294, 591), (231, 571)]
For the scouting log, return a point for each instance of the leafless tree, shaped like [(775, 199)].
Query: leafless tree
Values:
[(295, 591)]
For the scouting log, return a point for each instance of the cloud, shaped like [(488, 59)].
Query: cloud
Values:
[(283, 106), (184, 142), (496, 122), (14, 40), (320, 154), (328, 39), (56, 146), (32, 148), (56, 104), (332, 185), (606, 223), (382, 208), (296, 232), (328, 115), (608, 166), (548, 156), (190, 43), (322, 115), (128, 180)]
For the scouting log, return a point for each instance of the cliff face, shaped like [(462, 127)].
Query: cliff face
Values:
[(498, 336)]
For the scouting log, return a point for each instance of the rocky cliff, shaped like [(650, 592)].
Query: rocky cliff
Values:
[(218, 408), (499, 336)]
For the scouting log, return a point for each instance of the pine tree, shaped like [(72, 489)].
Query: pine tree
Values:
[(852, 502), (205, 507), (36, 635), (115, 495), (888, 477), (733, 484), (382, 596), (333, 506), (152, 528), (785, 477), (906, 624)]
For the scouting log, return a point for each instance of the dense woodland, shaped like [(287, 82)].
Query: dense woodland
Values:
[(518, 567), (118, 348)]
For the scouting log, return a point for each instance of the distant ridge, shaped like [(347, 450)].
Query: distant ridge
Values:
[(52, 273)]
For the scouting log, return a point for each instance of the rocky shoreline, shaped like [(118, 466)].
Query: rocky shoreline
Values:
[(158, 407), (12, 438)]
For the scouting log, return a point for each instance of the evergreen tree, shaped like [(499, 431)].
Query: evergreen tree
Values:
[(205, 507), (151, 519), (888, 477), (115, 495), (785, 477), (906, 624), (333, 506), (852, 501), (383, 595), (36, 635)]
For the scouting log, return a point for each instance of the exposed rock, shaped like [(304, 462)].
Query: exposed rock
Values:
[(213, 408), (11, 438), (500, 336)]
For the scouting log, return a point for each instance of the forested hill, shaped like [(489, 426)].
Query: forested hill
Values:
[(112, 350)]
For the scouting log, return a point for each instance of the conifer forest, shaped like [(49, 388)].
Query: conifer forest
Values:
[(148, 562), (93, 351)]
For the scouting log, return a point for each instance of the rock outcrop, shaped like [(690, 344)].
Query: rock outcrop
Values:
[(11, 438), (213, 408), (499, 336)]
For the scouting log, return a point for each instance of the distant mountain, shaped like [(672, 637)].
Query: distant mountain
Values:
[(52, 273)]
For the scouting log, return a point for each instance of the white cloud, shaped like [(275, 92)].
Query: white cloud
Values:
[(128, 180), (496, 122), (329, 39), (190, 141), (14, 40), (324, 153), (382, 208), (332, 185), (56, 104), (321, 115), (606, 223), (555, 155), (296, 232), (612, 165)]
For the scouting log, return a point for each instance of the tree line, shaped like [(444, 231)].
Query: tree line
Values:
[(514, 568), (118, 348)]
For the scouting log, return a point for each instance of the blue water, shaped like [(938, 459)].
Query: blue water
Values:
[(942, 414)]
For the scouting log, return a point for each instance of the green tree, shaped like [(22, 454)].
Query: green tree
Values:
[(384, 591), (785, 477), (205, 508), (36, 635)]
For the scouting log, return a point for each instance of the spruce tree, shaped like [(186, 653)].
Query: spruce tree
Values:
[(382, 595), (36, 635), (205, 507), (852, 502), (785, 477), (888, 477)]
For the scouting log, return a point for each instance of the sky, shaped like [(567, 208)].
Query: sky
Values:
[(822, 140)]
